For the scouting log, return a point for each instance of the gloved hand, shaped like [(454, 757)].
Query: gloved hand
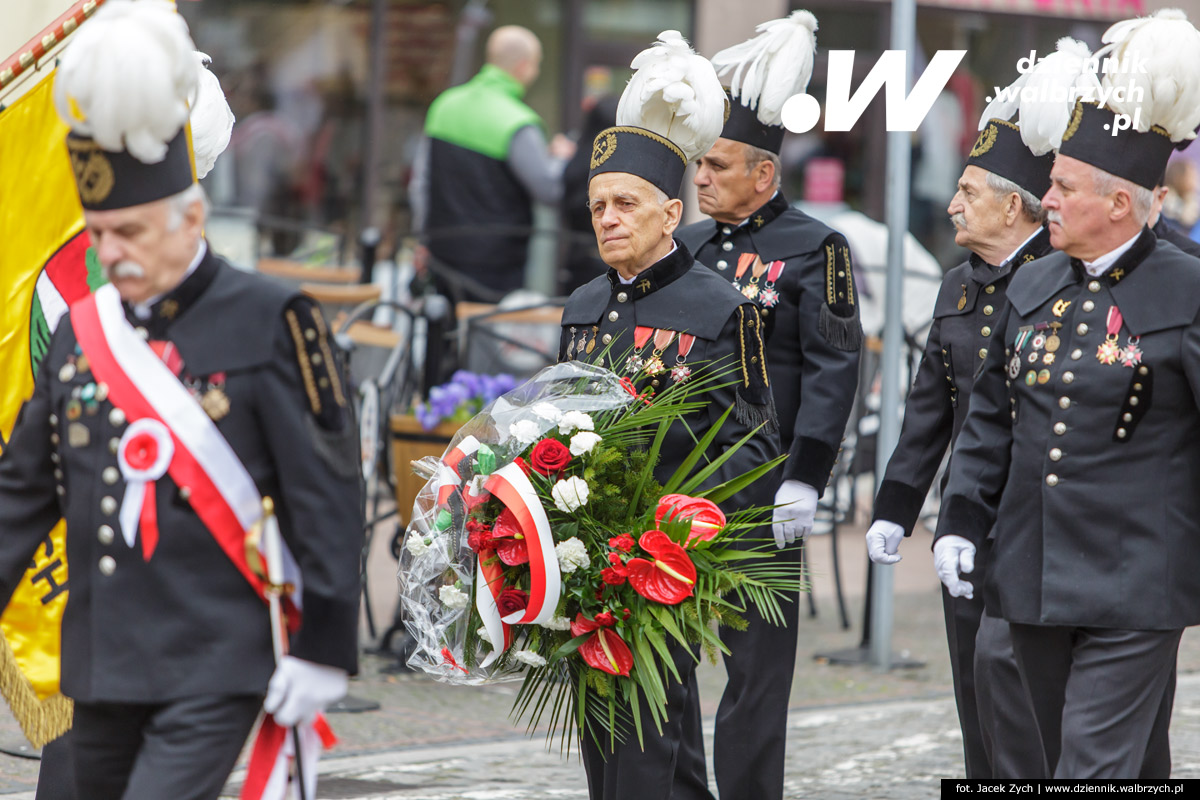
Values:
[(883, 539), (793, 519), (300, 689), (952, 555)]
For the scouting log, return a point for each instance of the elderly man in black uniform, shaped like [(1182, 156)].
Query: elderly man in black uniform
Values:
[(998, 216), (798, 275), (659, 317), (169, 403), (1096, 588)]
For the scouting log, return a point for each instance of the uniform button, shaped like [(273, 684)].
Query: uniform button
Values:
[(1076, 354), (55, 457), (1088, 305), (722, 264), (987, 311), (185, 493), (1014, 415), (108, 565), (1055, 454), (1081, 328), (101, 392), (114, 444), (1143, 371), (983, 352), (116, 417), (1121, 433), (1052, 479), (108, 506), (1064, 402), (1068, 377), (62, 490), (727, 246), (66, 372), (1133, 401), (726, 230), (606, 338), (58, 474), (54, 438), (142, 332), (105, 534), (654, 382), (1127, 417), (613, 316), (110, 475), (764, 312), (1060, 428), (53, 419), (1094, 287), (622, 297), (986, 331), (990, 290)]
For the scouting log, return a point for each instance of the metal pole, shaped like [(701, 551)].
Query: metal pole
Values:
[(898, 163), (373, 131)]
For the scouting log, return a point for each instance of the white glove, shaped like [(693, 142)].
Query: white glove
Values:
[(883, 539), (300, 689), (952, 555), (793, 519)]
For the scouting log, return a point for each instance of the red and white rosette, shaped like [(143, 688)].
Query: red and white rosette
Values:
[(144, 453)]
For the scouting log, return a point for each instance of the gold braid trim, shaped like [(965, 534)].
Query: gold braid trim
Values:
[(762, 350), (742, 343), (849, 276), (330, 364), (830, 291), (310, 386), (651, 135), (41, 721)]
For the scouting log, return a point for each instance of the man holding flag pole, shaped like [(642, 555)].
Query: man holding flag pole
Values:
[(166, 405)]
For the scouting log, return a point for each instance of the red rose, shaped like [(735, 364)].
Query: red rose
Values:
[(613, 576), (605, 618), (549, 455), (512, 600), (624, 542), (479, 536), (523, 464), (615, 560), (626, 612)]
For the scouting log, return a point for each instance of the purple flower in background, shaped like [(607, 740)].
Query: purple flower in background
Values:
[(461, 398)]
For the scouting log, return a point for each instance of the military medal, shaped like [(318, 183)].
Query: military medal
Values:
[(1052, 341), (1048, 359), (1030, 378), (215, 403), (744, 262), (635, 362), (1043, 376), (592, 344), (1014, 366), (571, 344), (78, 435), (1131, 355), (751, 289), (1108, 352), (681, 372), (1060, 307), (769, 296), (662, 340), (66, 372), (962, 301)]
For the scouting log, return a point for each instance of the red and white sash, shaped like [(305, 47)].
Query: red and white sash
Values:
[(223, 494)]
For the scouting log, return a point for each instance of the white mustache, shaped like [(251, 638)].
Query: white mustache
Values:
[(127, 269), (959, 221), (1054, 216)]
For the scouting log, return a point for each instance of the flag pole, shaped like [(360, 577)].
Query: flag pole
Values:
[(46, 40)]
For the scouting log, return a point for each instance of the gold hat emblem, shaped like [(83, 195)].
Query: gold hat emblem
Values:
[(93, 172), (604, 147), (985, 142)]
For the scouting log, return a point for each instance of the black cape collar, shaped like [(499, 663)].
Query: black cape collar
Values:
[(175, 303), (1142, 246), (984, 273), (662, 273)]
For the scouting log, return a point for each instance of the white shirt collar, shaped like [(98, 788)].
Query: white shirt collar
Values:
[(629, 282), (1100, 265), (142, 310), (769, 199), (1020, 247)]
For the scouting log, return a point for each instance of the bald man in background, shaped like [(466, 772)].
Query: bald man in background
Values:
[(482, 164)]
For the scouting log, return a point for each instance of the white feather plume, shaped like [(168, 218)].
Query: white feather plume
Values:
[(676, 94), (773, 66), (212, 119), (1167, 46), (127, 76), (1045, 96)]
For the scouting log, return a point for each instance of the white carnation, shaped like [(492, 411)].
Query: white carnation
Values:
[(547, 412), (525, 431), (529, 657), (570, 494), (557, 624), (583, 442), (416, 545), (453, 598), (483, 636), (572, 555), (575, 421)]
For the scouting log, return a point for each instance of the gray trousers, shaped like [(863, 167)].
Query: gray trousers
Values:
[(1009, 731), (1097, 694)]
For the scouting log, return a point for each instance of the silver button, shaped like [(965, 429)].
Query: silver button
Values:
[(53, 419), (1137, 387), (108, 506), (1081, 328), (1094, 286), (1064, 402), (1076, 354), (622, 297), (727, 246), (1014, 415), (55, 457), (62, 490), (1121, 433), (722, 264), (110, 475), (613, 316), (983, 352), (66, 372), (1052, 479), (185, 493), (606, 338), (142, 332), (1133, 401), (987, 311), (654, 382), (1127, 417), (1088, 305), (108, 565), (105, 534), (116, 417), (1068, 377), (114, 444), (1055, 454), (725, 229), (54, 438), (1060, 428), (58, 474), (1143, 371), (986, 331)]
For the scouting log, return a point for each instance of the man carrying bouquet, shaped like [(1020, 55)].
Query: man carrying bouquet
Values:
[(659, 319)]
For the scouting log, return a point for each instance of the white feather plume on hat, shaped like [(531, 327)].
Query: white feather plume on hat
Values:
[(1043, 116), (1168, 92), (212, 119), (773, 66), (675, 93), (126, 78)]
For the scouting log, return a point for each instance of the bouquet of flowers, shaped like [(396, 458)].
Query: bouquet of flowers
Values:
[(542, 547), (462, 397)]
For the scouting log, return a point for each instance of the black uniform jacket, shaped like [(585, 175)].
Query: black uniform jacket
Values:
[(810, 315), (1088, 471), (186, 622), (968, 305), (676, 294)]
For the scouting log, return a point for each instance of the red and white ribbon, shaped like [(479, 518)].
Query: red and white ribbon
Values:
[(448, 478), (492, 577), (512, 487), (143, 455), (269, 772)]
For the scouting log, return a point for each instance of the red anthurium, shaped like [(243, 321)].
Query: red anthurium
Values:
[(669, 577), (506, 525), (512, 551), (706, 517), (583, 625), (608, 652)]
